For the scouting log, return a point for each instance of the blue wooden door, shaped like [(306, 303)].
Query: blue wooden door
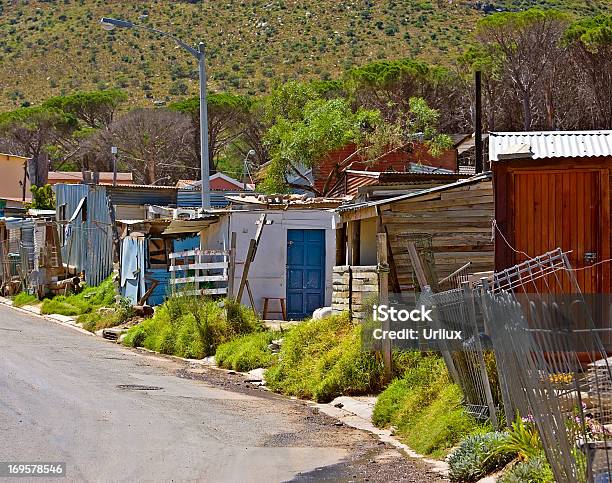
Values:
[(305, 272)]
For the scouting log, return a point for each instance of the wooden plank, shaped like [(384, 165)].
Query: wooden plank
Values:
[(439, 230), (197, 252), (358, 214), (441, 218), (581, 218), (200, 278), (354, 229), (245, 271), (450, 204), (232, 265), (198, 266), (207, 291), (417, 265), (461, 195), (383, 297)]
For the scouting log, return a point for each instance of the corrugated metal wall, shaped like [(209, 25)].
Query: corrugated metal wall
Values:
[(122, 195), (88, 244), (193, 199)]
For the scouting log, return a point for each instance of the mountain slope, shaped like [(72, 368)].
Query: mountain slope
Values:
[(57, 46)]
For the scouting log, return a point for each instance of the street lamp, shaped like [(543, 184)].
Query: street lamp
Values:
[(111, 23), (246, 167)]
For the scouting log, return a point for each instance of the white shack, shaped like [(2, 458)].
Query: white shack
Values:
[(295, 253)]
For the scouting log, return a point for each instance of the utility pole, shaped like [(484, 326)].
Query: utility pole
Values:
[(478, 121), (114, 153), (111, 23), (204, 162)]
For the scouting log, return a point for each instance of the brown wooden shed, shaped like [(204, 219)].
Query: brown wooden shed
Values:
[(454, 217), (552, 189)]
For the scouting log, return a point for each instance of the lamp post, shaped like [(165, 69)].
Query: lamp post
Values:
[(246, 167), (111, 23)]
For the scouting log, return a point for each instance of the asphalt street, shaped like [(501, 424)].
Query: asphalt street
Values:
[(114, 414)]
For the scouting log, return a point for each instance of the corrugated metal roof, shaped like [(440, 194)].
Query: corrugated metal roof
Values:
[(193, 198), (549, 144), (141, 195), (405, 196)]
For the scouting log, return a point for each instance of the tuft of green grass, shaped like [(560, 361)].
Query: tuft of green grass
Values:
[(425, 407), (192, 327), (247, 352), (87, 301), (24, 298), (322, 359), (94, 321), (88, 306)]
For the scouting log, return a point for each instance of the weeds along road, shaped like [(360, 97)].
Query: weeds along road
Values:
[(67, 396)]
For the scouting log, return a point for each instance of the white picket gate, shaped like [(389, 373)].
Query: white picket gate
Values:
[(205, 270)]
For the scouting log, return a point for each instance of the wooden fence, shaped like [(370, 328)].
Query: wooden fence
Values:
[(204, 270)]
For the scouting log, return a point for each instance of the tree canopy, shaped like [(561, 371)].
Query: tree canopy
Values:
[(96, 109)]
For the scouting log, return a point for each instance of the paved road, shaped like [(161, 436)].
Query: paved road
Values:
[(66, 396)]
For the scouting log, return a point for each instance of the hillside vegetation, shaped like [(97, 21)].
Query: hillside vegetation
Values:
[(56, 47)]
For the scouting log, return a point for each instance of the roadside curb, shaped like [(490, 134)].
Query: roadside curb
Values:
[(356, 412), (63, 320)]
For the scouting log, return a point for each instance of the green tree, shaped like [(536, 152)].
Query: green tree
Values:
[(37, 131), (388, 86), (43, 197), (590, 40), (327, 125), (227, 114), (95, 109), (524, 46)]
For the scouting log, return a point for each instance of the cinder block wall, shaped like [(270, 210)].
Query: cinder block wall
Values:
[(352, 286)]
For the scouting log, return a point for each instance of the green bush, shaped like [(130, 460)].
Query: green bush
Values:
[(534, 470), (247, 352), (192, 327), (425, 407), (24, 298), (95, 320), (89, 300), (472, 459), (523, 440), (322, 359)]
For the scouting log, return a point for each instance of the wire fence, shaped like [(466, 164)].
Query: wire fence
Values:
[(534, 348)]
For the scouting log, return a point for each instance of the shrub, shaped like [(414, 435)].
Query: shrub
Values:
[(192, 327), (89, 300), (425, 407), (471, 460), (24, 298), (110, 317), (523, 440), (247, 352), (535, 470), (322, 359)]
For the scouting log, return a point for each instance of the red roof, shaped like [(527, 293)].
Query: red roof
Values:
[(325, 172)]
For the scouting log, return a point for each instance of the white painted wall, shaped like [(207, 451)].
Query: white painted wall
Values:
[(267, 275)]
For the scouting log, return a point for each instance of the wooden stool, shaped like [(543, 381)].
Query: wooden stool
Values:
[(282, 311)]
